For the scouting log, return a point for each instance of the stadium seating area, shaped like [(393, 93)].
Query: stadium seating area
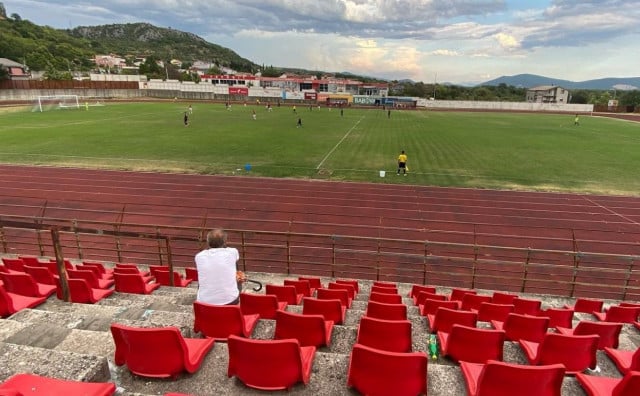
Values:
[(306, 335)]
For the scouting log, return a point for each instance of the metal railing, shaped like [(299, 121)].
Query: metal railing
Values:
[(525, 270)]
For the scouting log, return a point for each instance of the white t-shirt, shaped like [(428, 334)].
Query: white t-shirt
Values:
[(217, 275)]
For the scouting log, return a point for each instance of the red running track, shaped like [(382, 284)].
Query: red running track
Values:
[(555, 221), (521, 219)]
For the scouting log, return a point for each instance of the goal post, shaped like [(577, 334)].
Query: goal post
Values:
[(57, 102)]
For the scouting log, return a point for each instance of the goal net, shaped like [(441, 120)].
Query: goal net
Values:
[(56, 102)]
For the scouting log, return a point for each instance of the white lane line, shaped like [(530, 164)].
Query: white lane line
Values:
[(338, 144)]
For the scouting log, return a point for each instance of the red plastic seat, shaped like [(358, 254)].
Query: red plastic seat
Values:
[(332, 310), (334, 294), (302, 286), (23, 284), (507, 379), (471, 344), (129, 267), (388, 335), (41, 275), (586, 305), (429, 306), (31, 384), (146, 275), (191, 273), (91, 278), (315, 283), (269, 364), (616, 313), (351, 282), (95, 270), (524, 306), (287, 294), (265, 305), (81, 292), (625, 360), (221, 321), (445, 318), (377, 373), (471, 302), (423, 295), (386, 311), (309, 330), (490, 311), (384, 289), (11, 303), (53, 266), (386, 298), (577, 353), (163, 278), (558, 317), (33, 261), (101, 268), (14, 264), (133, 283), (503, 298), (523, 327), (609, 332), (415, 289), (344, 286), (629, 385), (158, 352), (457, 294)]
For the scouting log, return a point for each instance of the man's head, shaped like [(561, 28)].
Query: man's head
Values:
[(217, 238)]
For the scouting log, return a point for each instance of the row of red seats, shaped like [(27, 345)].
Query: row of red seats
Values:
[(89, 282)]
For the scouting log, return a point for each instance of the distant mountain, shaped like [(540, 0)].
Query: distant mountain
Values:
[(532, 80)]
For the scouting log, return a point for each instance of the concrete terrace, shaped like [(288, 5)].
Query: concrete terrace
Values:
[(72, 341)]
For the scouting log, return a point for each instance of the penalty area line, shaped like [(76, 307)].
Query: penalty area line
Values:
[(338, 144)]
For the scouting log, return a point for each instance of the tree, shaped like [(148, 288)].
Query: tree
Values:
[(214, 70), (151, 68), (630, 98), (3, 11), (271, 72), (16, 17), (4, 73), (580, 97)]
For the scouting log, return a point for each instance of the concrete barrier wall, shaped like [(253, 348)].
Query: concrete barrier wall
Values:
[(32, 94), (506, 106), (174, 89)]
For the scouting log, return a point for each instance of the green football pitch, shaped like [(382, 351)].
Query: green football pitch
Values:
[(545, 152)]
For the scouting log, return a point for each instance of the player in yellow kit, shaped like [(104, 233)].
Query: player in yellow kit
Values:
[(402, 163)]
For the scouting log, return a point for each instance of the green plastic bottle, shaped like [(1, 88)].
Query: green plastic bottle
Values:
[(433, 347)]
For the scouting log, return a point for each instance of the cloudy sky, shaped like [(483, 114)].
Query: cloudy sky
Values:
[(458, 41)]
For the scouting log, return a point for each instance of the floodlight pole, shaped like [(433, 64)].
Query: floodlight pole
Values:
[(435, 78)]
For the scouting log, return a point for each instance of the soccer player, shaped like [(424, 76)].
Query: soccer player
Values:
[(186, 119), (299, 122), (576, 121), (402, 163), (190, 110), (254, 114)]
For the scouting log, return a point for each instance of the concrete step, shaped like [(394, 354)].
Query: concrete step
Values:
[(328, 378), (51, 362)]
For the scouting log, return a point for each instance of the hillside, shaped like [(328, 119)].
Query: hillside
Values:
[(532, 80), (42, 47), (143, 39)]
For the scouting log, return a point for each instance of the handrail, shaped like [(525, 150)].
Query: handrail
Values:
[(561, 272)]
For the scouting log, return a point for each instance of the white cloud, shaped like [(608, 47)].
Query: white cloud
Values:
[(461, 40), (507, 41)]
